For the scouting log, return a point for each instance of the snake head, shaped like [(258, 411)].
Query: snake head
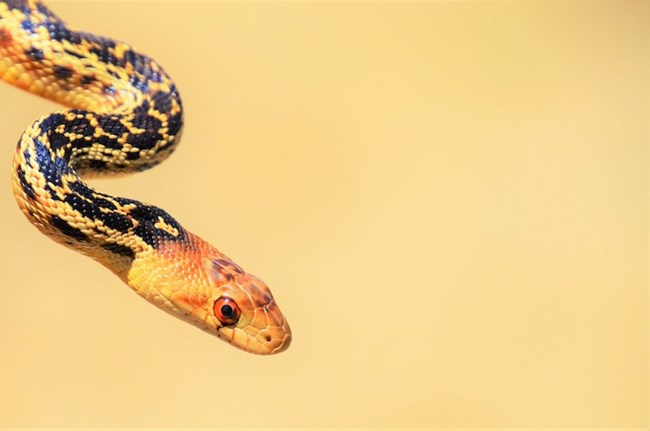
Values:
[(242, 309), (195, 282)]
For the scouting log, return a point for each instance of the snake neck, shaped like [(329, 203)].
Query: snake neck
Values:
[(112, 230)]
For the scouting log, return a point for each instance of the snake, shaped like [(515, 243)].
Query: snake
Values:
[(122, 114)]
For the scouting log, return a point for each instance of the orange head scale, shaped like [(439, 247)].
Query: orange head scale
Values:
[(204, 287)]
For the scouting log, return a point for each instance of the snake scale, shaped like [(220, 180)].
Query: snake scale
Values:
[(124, 115)]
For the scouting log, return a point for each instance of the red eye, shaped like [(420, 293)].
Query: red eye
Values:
[(226, 310)]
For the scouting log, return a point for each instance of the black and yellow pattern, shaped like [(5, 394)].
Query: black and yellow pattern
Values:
[(126, 116)]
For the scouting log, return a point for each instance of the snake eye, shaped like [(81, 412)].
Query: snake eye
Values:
[(226, 310)]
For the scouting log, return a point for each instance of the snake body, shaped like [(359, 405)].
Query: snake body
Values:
[(125, 115)]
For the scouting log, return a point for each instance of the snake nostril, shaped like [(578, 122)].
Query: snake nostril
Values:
[(267, 338)]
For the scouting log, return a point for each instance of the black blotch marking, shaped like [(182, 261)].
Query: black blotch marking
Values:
[(52, 121), (131, 57), (155, 76), (57, 140), (133, 155), (62, 72), (147, 216), (141, 110), (104, 54), (63, 227), (112, 125), (108, 142), (175, 123), (119, 249), (151, 213), (97, 165), (45, 11), (16, 4), (87, 209), (59, 32), (106, 204), (35, 54), (27, 188), (80, 126), (27, 25), (151, 126), (61, 166), (27, 157), (74, 54), (81, 189), (51, 170), (103, 49), (116, 221), (82, 144), (162, 101), (87, 80), (149, 123), (110, 89), (91, 208), (113, 73), (98, 40), (144, 140), (126, 201), (152, 235), (140, 83)]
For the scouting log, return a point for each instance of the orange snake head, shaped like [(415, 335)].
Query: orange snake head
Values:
[(243, 311), (195, 282)]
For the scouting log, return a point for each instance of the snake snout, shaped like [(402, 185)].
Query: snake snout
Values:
[(276, 336), (268, 332)]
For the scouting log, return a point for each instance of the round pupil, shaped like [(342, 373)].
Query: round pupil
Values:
[(227, 310)]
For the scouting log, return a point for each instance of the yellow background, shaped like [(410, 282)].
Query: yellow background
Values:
[(449, 201)]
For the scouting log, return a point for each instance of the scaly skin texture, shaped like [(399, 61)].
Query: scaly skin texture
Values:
[(125, 116)]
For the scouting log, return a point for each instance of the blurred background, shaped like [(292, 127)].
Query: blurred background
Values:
[(449, 201)]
